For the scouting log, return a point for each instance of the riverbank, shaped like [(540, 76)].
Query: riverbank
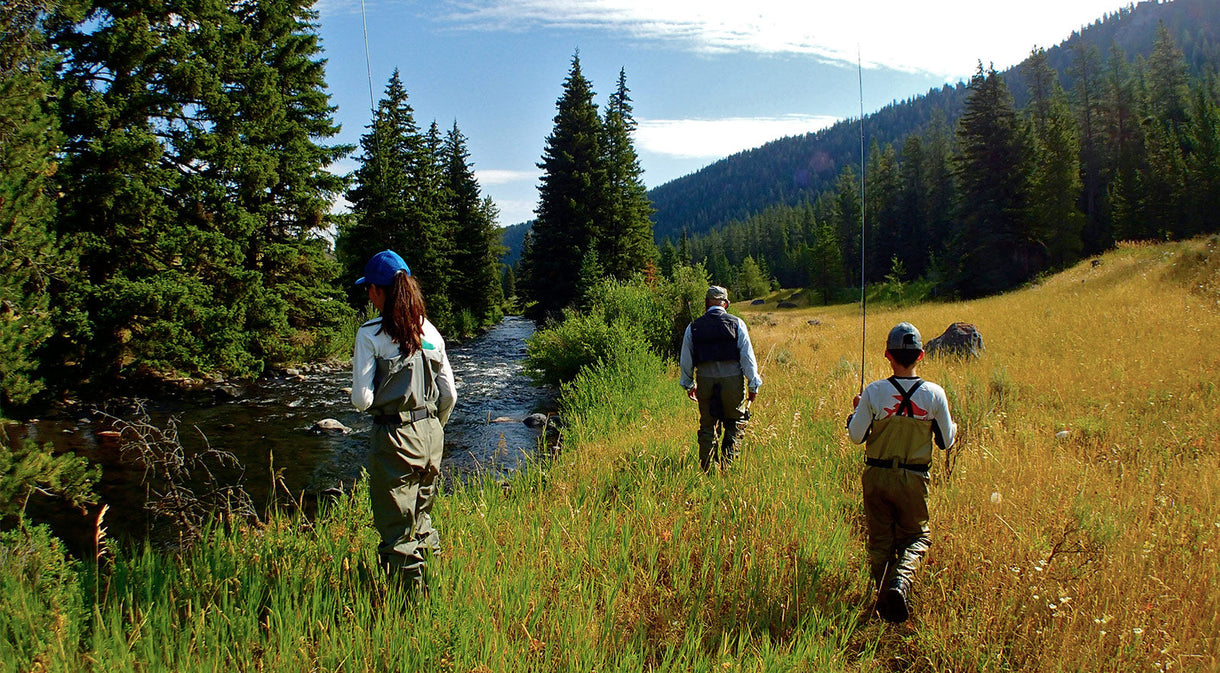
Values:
[(1093, 550)]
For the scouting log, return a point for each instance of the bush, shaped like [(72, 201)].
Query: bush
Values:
[(619, 316), (558, 354), (41, 604)]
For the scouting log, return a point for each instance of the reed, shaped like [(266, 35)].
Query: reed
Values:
[(1095, 551)]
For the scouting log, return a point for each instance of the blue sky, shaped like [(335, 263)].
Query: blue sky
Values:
[(708, 78)]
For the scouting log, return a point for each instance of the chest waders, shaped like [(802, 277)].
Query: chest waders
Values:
[(406, 445), (898, 454)]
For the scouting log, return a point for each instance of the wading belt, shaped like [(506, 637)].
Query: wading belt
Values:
[(402, 417), (893, 462)]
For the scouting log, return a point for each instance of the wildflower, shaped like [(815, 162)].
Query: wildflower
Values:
[(1137, 630)]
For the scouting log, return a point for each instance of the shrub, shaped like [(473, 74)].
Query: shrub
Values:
[(41, 605), (557, 354)]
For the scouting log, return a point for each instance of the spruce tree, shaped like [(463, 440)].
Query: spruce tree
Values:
[(993, 240), (196, 188), (1086, 72), (1124, 147), (1055, 186), (1163, 189), (380, 202), (572, 196), (626, 242), (475, 287), (429, 229), (29, 255)]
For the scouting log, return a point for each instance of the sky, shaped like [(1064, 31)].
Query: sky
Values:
[(707, 78)]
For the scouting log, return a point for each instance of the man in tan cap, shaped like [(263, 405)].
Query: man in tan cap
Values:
[(717, 347)]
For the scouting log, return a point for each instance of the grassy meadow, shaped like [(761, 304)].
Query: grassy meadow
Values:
[(1076, 531)]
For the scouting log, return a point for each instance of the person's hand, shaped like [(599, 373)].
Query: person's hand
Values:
[(752, 395), (691, 393)]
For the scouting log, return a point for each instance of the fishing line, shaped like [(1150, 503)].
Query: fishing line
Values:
[(863, 303)]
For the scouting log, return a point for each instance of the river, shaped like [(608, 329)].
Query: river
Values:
[(268, 426)]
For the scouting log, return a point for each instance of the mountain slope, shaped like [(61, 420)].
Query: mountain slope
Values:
[(792, 169)]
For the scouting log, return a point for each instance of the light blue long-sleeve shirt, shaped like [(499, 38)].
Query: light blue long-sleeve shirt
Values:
[(745, 365)]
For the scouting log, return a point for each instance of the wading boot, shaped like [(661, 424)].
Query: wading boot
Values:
[(892, 601)]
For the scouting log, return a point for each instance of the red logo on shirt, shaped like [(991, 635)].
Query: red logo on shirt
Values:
[(915, 410)]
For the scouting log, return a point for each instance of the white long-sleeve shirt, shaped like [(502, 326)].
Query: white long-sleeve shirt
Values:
[(370, 345), (880, 400), (745, 365)]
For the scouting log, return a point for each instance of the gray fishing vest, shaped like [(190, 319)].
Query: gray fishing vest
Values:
[(713, 338)]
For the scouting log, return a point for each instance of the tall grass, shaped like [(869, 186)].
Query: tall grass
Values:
[(1090, 551)]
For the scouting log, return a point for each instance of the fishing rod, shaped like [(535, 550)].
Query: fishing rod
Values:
[(368, 62), (863, 301)]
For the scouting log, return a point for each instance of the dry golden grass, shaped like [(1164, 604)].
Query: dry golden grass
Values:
[(1092, 550)]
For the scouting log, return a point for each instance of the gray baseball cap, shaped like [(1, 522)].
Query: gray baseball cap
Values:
[(717, 293), (904, 337)]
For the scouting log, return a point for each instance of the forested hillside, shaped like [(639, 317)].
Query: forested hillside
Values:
[(791, 170)]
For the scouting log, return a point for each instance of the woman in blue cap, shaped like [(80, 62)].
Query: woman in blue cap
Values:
[(401, 375)]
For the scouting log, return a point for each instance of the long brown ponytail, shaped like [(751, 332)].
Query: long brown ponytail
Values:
[(403, 314)]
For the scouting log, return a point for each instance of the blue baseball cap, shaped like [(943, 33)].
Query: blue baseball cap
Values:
[(381, 268)]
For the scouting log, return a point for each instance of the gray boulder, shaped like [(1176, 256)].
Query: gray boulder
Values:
[(534, 420), (758, 302), (961, 339), (329, 426)]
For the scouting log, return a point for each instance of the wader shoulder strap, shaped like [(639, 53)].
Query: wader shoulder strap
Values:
[(904, 407)]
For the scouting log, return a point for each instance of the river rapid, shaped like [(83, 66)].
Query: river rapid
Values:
[(268, 426)]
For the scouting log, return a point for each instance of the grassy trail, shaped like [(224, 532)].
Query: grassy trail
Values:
[(1092, 551)]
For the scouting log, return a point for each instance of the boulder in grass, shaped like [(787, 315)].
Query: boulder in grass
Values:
[(961, 339), (758, 302), (786, 304)]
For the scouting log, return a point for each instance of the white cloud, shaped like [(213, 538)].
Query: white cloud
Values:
[(715, 138), (495, 176), (944, 37)]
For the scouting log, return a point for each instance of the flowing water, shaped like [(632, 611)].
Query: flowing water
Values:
[(268, 426)]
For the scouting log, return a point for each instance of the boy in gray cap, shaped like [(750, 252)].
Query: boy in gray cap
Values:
[(899, 418), (717, 346)]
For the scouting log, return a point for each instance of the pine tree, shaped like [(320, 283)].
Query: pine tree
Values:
[(993, 240), (626, 242), (1162, 181), (380, 201), (1054, 182), (1124, 143), (669, 259), (845, 214), (475, 286), (29, 255), (572, 196), (1097, 234), (196, 188), (886, 221), (1203, 165), (429, 228)]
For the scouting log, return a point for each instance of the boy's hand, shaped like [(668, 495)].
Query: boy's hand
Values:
[(691, 393)]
